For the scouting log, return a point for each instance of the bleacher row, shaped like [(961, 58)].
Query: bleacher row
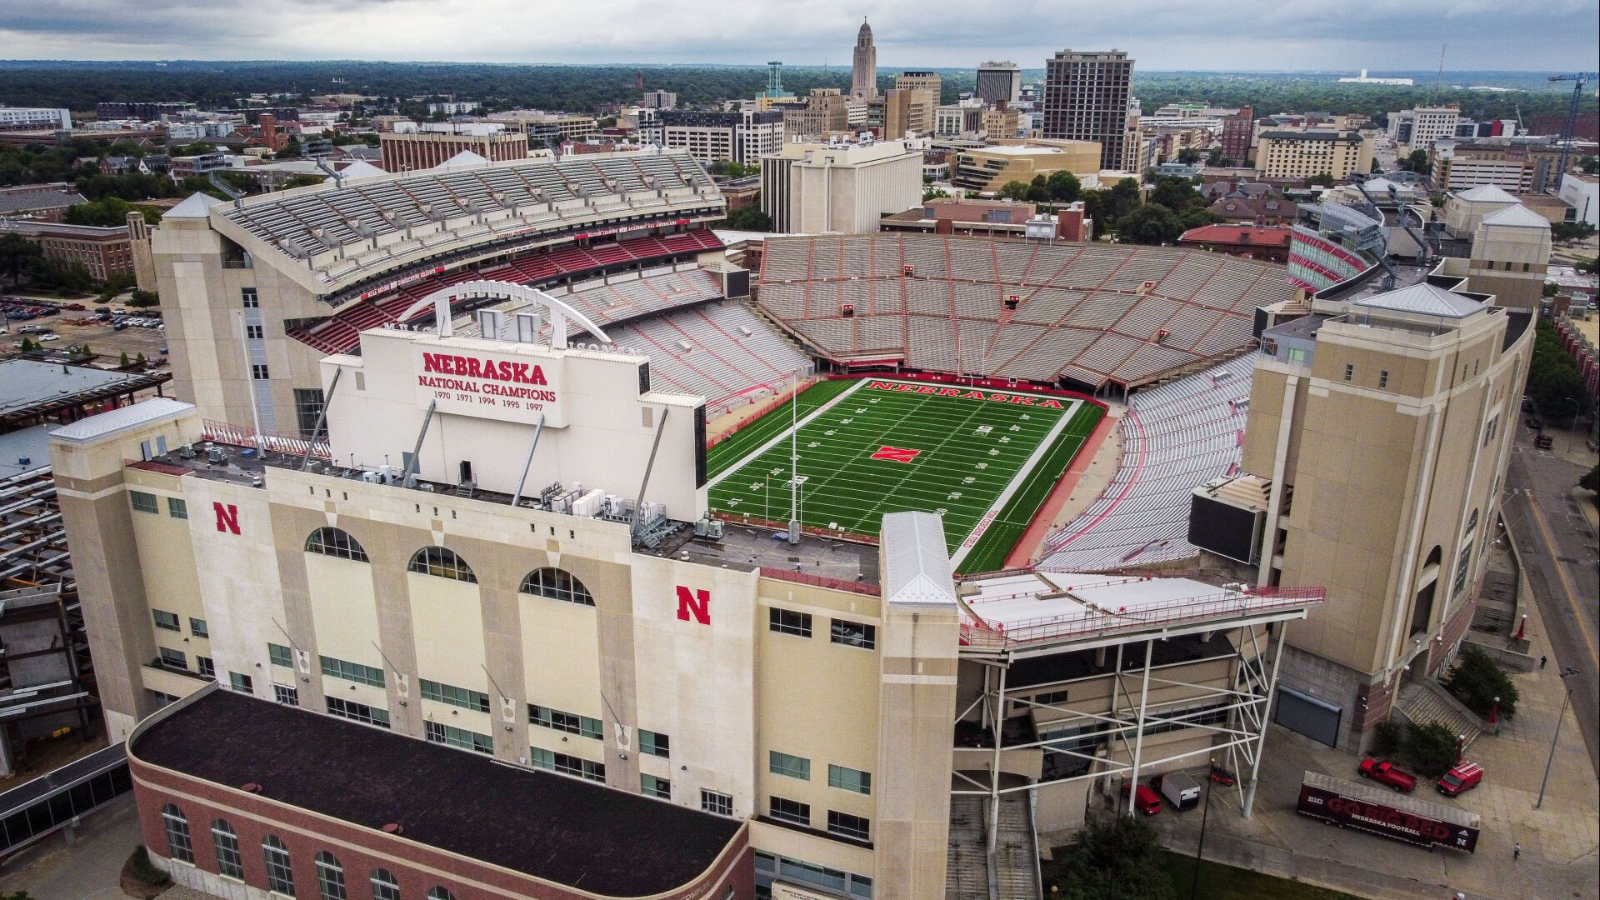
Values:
[(721, 351), (1089, 312), (1175, 437), (336, 217), (340, 333)]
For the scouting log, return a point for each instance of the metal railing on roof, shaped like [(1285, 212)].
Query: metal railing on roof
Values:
[(1096, 621)]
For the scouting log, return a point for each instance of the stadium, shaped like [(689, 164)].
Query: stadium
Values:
[(515, 460)]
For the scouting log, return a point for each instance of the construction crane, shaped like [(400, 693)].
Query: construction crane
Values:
[(1579, 81)]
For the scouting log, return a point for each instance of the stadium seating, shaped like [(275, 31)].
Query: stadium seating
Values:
[(1174, 437), (721, 351), (1090, 313), (340, 333)]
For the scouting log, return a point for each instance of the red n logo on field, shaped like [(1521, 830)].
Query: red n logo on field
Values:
[(697, 603), (227, 517), (895, 454)]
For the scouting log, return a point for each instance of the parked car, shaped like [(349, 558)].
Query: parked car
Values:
[(1464, 777), (75, 307), (1544, 442), (50, 337), (1145, 800), (1384, 772)]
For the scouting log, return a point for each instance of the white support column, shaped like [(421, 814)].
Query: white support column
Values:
[(994, 767), (1138, 736), (1261, 740)]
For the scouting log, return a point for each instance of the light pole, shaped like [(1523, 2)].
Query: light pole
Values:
[(1566, 697), (1194, 883), (1572, 429)]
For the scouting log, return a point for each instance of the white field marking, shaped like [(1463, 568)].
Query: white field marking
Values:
[(1016, 483), (785, 433)]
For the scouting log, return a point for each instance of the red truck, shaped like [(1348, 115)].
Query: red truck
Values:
[(1365, 807), (1464, 777), (1386, 773)]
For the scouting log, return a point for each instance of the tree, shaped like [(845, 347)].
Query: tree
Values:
[(1064, 186), (1551, 289), (291, 149), (1195, 218), (17, 254), (1216, 159), (1149, 223), (1116, 859), (1591, 480), (749, 218), (1480, 684), (1014, 190), (1039, 189), (1589, 165), (1571, 231), (144, 298), (108, 212), (933, 194), (1431, 748), (1188, 156), (1124, 196), (1415, 161), (1178, 195), (1323, 179)]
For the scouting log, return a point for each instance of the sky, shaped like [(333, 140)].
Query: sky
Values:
[(1246, 35)]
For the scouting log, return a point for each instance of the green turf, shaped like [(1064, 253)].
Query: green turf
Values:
[(1223, 882), (970, 450), (770, 425)]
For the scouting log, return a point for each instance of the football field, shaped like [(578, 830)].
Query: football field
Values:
[(985, 459)]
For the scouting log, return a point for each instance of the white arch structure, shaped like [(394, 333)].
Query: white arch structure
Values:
[(559, 312)]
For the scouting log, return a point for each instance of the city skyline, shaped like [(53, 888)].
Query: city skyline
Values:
[(1253, 36)]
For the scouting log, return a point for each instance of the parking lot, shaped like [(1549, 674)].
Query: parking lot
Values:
[(80, 327)]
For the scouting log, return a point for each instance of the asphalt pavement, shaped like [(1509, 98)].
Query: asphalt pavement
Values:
[(1558, 550)]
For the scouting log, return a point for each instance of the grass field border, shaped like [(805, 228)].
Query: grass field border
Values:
[(1013, 518)]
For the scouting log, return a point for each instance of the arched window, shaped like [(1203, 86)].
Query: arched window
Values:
[(384, 885), (557, 584), (440, 893), (330, 877), (230, 862), (280, 877), (1434, 557), (441, 563), (178, 845), (335, 542)]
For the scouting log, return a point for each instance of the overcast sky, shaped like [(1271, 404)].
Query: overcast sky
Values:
[(1381, 35)]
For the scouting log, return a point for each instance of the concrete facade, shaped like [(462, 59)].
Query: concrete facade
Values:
[(818, 188), (1303, 154)]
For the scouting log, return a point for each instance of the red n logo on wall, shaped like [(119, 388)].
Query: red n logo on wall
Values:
[(697, 603), (227, 517)]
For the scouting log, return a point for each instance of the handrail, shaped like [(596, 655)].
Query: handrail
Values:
[(1095, 622)]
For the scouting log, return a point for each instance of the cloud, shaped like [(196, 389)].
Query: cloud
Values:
[(1383, 35)]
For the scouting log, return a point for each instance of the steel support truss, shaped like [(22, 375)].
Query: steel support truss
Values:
[(1237, 743)]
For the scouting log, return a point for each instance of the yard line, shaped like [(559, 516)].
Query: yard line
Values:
[(972, 538), (783, 434)]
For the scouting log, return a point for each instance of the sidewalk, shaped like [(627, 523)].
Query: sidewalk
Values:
[(1559, 842)]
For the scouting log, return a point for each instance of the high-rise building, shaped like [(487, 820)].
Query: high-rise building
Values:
[(1237, 130), (659, 99), (1379, 430), (920, 81), (1086, 98), (815, 188), (1418, 128), (908, 111), (824, 112), (864, 65), (741, 136), (1290, 154), (999, 82)]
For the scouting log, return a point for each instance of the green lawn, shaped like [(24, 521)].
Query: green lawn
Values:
[(961, 451), (1220, 882)]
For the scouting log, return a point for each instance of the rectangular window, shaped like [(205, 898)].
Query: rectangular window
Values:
[(452, 736), (654, 743), (792, 766), (197, 627), (241, 683), (1383, 378), (651, 786), (1349, 372), (849, 826), (163, 699), (143, 502), (455, 696), (358, 712), (785, 622), (308, 404), (286, 695), (174, 659), (280, 655), (792, 811), (1050, 697), (854, 634), (205, 666), (176, 508), (258, 371), (567, 764), (349, 671), (252, 332), (852, 780), (166, 621), (718, 804), (247, 296), (571, 723)]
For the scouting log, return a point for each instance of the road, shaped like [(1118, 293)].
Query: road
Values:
[(1558, 553)]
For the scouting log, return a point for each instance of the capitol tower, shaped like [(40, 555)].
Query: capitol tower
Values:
[(864, 65)]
